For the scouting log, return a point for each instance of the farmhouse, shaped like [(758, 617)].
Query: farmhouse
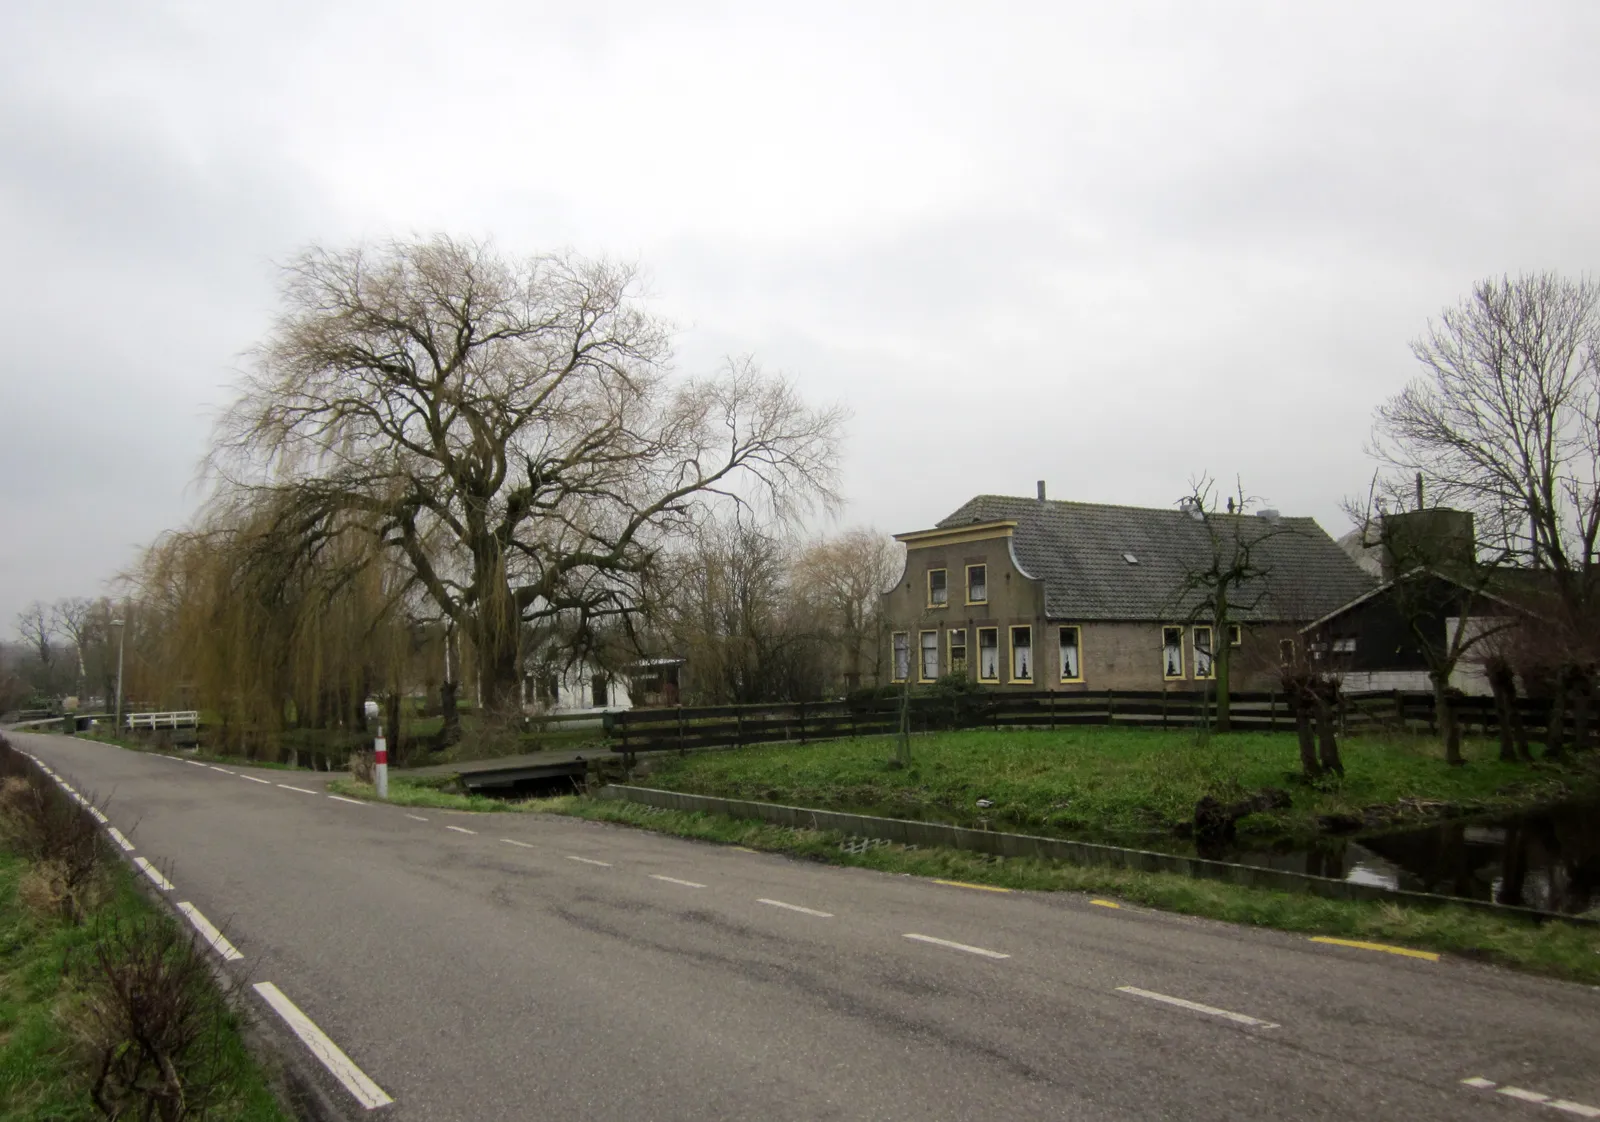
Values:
[(1037, 594)]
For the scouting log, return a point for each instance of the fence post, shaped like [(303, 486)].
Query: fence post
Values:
[(802, 722), (682, 751), (1111, 708), (1400, 710), (1163, 710), (1052, 710), (739, 729)]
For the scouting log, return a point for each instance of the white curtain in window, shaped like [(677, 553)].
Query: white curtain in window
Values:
[(988, 655), (1202, 652), (902, 656), (1022, 653), (930, 654), (978, 584), (1069, 652), (1172, 652)]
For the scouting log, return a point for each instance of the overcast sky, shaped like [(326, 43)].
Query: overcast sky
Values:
[(1107, 245)]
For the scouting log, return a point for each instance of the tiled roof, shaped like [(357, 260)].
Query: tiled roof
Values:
[(1079, 550)]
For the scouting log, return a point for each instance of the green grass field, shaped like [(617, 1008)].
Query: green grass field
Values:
[(1119, 784), (43, 1072)]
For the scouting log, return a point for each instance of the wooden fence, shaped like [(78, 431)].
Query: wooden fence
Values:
[(687, 728)]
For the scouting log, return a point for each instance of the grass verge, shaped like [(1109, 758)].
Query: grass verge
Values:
[(1557, 949), (45, 1072), (411, 792), (1115, 784)]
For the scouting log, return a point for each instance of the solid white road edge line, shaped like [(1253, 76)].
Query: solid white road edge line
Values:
[(120, 838), (461, 829), (302, 790), (797, 908), (209, 933), (253, 779), (154, 874), (1209, 1010), (675, 880), (602, 864), (957, 946), (366, 1092), (342, 799)]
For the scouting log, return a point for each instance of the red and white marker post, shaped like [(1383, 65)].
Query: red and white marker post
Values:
[(380, 765)]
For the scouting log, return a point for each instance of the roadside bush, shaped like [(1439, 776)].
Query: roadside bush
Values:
[(153, 1022), (59, 840)]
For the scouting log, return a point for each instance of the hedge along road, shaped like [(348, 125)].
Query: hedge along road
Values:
[(550, 967)]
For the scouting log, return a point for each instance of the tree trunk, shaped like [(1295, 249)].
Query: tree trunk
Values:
[(1503, 683), (1327, 733), (1581, 706), (1445, 715), (1220, 662), (1555, 733), (1302, 728), (494, 641), (391, 724), (450, 728)]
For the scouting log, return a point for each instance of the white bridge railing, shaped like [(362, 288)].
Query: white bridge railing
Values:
[(179, 719)]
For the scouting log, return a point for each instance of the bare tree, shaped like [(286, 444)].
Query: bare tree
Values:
[(1505, 422), (508, 430), (74, 618), (844, 577), (1229, 578), (36, 629)]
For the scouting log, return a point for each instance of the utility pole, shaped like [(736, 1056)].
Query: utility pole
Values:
[(122, 638)]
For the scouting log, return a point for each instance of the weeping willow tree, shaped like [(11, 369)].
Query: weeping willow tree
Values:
[(268, 631), (507, 432)]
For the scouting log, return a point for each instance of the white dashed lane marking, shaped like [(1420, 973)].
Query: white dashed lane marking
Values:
[(797, 908), (509, 841), (675, 880), (342, 799), (302, 790), (416, 817), (983, 951), (1195, 1006), (154, 874), (253, 779), (1539, 1098), (603, 864), (223, 770), (209, 933), (118, 837), (461, 829), (366, 1092)]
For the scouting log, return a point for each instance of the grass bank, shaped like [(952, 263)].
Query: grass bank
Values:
[(1118, 784), (46, 1063), (1557, 949)]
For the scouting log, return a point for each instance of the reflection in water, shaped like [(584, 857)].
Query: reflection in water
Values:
[(1549, 860)]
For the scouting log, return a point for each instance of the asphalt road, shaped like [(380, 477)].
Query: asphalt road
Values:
[(538, 968)]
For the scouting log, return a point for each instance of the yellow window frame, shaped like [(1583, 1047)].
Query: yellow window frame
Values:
[(950, 650), (894, 675), (921, 676), (1180, 675), (1235, 635), (1210, 651), (1292, 655), (946, 573), (1033, 663), (995, 631), (967, 587), (1077, 634)]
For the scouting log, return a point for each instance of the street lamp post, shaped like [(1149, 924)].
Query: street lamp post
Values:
[(122, 637)]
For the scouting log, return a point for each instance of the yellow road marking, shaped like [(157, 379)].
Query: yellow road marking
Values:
[(1105, 903), (964, 884), (1384, 947)]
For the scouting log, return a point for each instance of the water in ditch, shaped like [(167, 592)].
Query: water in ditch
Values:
[(1547, 859)]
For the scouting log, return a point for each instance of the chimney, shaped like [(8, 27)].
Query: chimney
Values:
[(1041, 490)]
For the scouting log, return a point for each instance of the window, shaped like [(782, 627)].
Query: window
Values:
[(958, 650), (988, 654), (600, 691), (938, 588), (1286, 652), (1172, 652), (1022, 654), (1235, 635), (977, 584), (1347, 645), (1204, 667), (928, 641), (1071, 655), (902, 656)]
